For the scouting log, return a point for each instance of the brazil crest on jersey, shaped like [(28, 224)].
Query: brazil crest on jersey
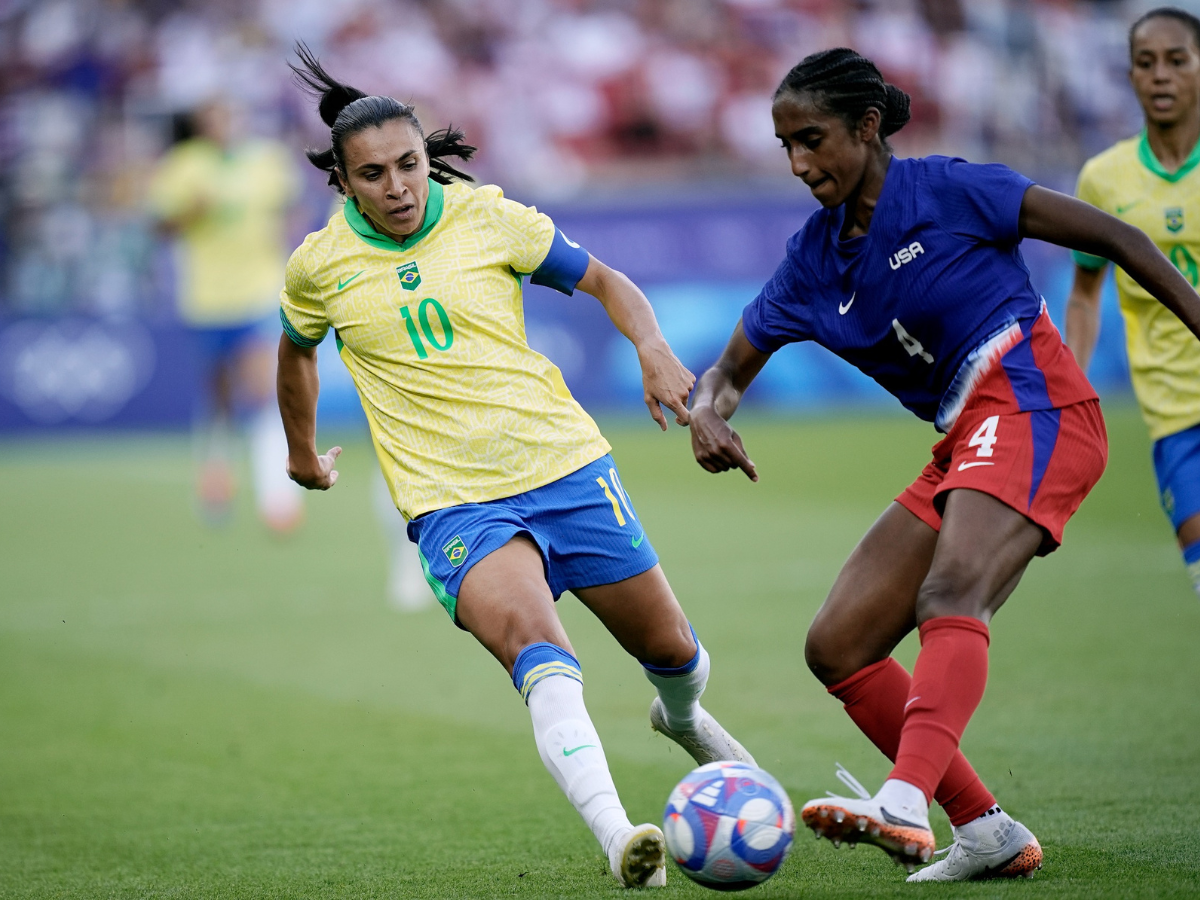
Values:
[(432, 329), (934, 293), (1128, 181)]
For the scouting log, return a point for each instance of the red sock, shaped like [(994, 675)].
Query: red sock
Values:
[(947, 685), (874, 699)]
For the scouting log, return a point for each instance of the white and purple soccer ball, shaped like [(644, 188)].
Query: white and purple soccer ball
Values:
[(729, 825)]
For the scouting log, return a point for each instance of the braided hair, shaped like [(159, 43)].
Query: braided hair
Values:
[(845, 84), (1168, 12), (347, 110)]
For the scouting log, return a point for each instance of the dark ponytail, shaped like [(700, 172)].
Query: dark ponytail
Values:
[(845, 84), (347, 110)]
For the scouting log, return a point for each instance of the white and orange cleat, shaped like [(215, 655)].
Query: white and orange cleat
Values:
[(904, 834), (987, 848)]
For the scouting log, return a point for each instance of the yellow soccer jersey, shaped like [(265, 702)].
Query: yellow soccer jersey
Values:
[(432, 329), (233, 250), (1129, 182)]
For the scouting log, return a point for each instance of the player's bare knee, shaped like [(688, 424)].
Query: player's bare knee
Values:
[(828, 656), (952, 591), (667, 647)]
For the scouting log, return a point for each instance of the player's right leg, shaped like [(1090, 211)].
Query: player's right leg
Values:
[(599, 550), (643, 615), (505, 602), (1177, 467)]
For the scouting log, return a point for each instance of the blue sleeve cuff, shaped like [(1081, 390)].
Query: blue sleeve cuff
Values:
[(758, 337), (293, 335), (563, 266)]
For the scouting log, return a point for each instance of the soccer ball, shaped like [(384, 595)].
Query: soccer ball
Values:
[(729, 825)]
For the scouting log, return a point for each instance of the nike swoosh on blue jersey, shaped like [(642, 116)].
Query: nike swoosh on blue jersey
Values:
[(845, 309)]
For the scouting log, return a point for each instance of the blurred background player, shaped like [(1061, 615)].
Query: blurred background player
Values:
[(912, 272), (407, 590), (1152, 182), (226, 199), (509, 488)]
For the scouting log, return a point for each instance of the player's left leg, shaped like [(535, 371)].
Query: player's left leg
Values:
[(642, 613), (212, 419), (407, 589), (280, 501)]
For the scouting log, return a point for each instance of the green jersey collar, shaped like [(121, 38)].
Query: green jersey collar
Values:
[(365, 230), (1147, 158)]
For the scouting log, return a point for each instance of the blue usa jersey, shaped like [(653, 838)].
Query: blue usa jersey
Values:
[(931, 294)]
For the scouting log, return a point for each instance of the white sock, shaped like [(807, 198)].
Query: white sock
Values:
[(1193, 570), (680, 694), (571, 750), (407, 589), (904, 800), (279, 498), (212, 441), (989, 830)]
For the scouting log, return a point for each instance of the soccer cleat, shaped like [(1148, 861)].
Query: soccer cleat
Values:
[(707, 741), (909, 842), (640, 858), (1012, 852)]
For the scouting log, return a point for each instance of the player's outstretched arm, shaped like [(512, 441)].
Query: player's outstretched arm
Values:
[(718, 448), (1050, 216), (664, 378), (297, 385), (1083, 313)]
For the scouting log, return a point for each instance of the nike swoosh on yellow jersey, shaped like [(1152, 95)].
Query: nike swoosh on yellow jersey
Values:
[(342, 284), (1128, 206)]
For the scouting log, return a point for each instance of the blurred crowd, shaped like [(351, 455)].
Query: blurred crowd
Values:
[(563, 97)]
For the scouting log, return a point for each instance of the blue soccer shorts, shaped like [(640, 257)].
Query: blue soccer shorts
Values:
[(1177, 466), (584, 524)]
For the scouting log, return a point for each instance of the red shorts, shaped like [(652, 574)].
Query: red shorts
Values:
[(1041, 463)]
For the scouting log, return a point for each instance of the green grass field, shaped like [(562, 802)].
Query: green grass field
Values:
[(187, 712)]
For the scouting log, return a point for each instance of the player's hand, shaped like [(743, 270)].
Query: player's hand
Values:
[(717, 447), (318, 474), (665, 381)]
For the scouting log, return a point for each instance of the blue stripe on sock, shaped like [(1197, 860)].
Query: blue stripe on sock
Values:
[(686, 669), (1191, 553), (539, 661)]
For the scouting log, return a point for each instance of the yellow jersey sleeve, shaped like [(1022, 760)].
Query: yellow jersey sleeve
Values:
[(1088, 191), (301, 305), (524, 235)]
